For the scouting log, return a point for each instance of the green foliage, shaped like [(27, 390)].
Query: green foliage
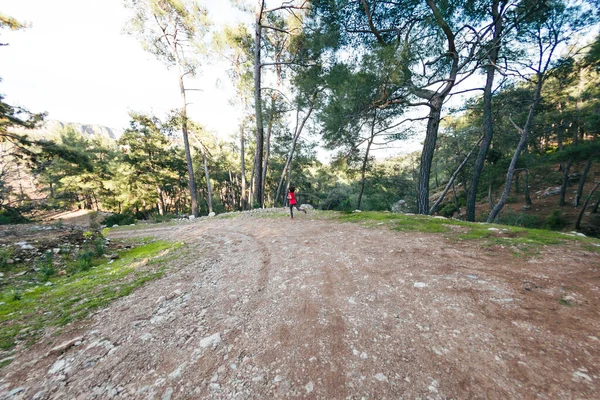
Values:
[(511, 218), (46, 265), (118, 219), (555, 221), (337, 199), (9, 215), (84, 259), (14, 294), (157, 218), (448, 210), (26, 313), (5, 255)]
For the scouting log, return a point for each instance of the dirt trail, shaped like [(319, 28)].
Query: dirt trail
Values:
[(267, 308)]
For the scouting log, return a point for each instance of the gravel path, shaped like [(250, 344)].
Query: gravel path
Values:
[(311, 308)]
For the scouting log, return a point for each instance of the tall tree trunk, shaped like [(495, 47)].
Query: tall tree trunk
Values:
[(488, 120), (268, 145), (526, 189), (427, 155), (288, 162), (456, 204), (161, 202), (364, 165), (435, 100), (580, 216), (452, 178), (490, 193), (565, 183), (186, 144), (522, 142), (244, 199), (258, 164), (582, 180), (208, 187), (596, 206)]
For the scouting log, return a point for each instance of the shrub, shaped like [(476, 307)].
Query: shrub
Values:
[(98, 245), (15, 294), (338, 199), (11, 216), (555, 221), (163, 218), (448, 210), (46, 265), (119, 219), (5, 254), (84, 259), (509, 217)]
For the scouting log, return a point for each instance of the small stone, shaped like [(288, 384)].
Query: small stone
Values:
[(214, 387), (420, 284), (178, 372), (15, 392), (10, 261), (433, 387), (115, 226), (211, 341), (578, 375), (65, 345), (57, 366), (56, 250), (192, 217), (381, 377), (48, 284), (168, 393), (212, 214), (309, 387), (278, 378)]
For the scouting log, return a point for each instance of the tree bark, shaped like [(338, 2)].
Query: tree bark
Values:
[(490, 199), (488, 121), (186, 144), (522, 142), (452, 178), (258, 165), (365, 160), (435, 101), (582, 180), (526, 189), (288, 162), (208, 187), (427, 155), (565, 183), (580, 216), (244, 199), (268, 145)]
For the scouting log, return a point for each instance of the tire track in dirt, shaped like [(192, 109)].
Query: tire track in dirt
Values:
[(267, 308)]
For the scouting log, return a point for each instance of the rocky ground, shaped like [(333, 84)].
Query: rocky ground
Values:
[(256, 307)]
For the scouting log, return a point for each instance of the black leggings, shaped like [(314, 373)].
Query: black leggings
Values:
[(292, 209)]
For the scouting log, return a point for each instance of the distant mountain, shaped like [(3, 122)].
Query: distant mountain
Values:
[(51, 127)]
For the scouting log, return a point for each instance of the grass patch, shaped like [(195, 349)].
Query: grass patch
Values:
[(522, 241), (23, 317)]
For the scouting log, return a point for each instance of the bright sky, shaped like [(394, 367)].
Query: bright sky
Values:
[(75, 63)]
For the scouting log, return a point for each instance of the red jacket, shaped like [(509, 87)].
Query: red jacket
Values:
[(292, 198)]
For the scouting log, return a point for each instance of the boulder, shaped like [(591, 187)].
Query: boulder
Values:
[(399, 206)]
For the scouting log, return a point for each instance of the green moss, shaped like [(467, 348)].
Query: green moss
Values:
[(522, 241), (74, 297)]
